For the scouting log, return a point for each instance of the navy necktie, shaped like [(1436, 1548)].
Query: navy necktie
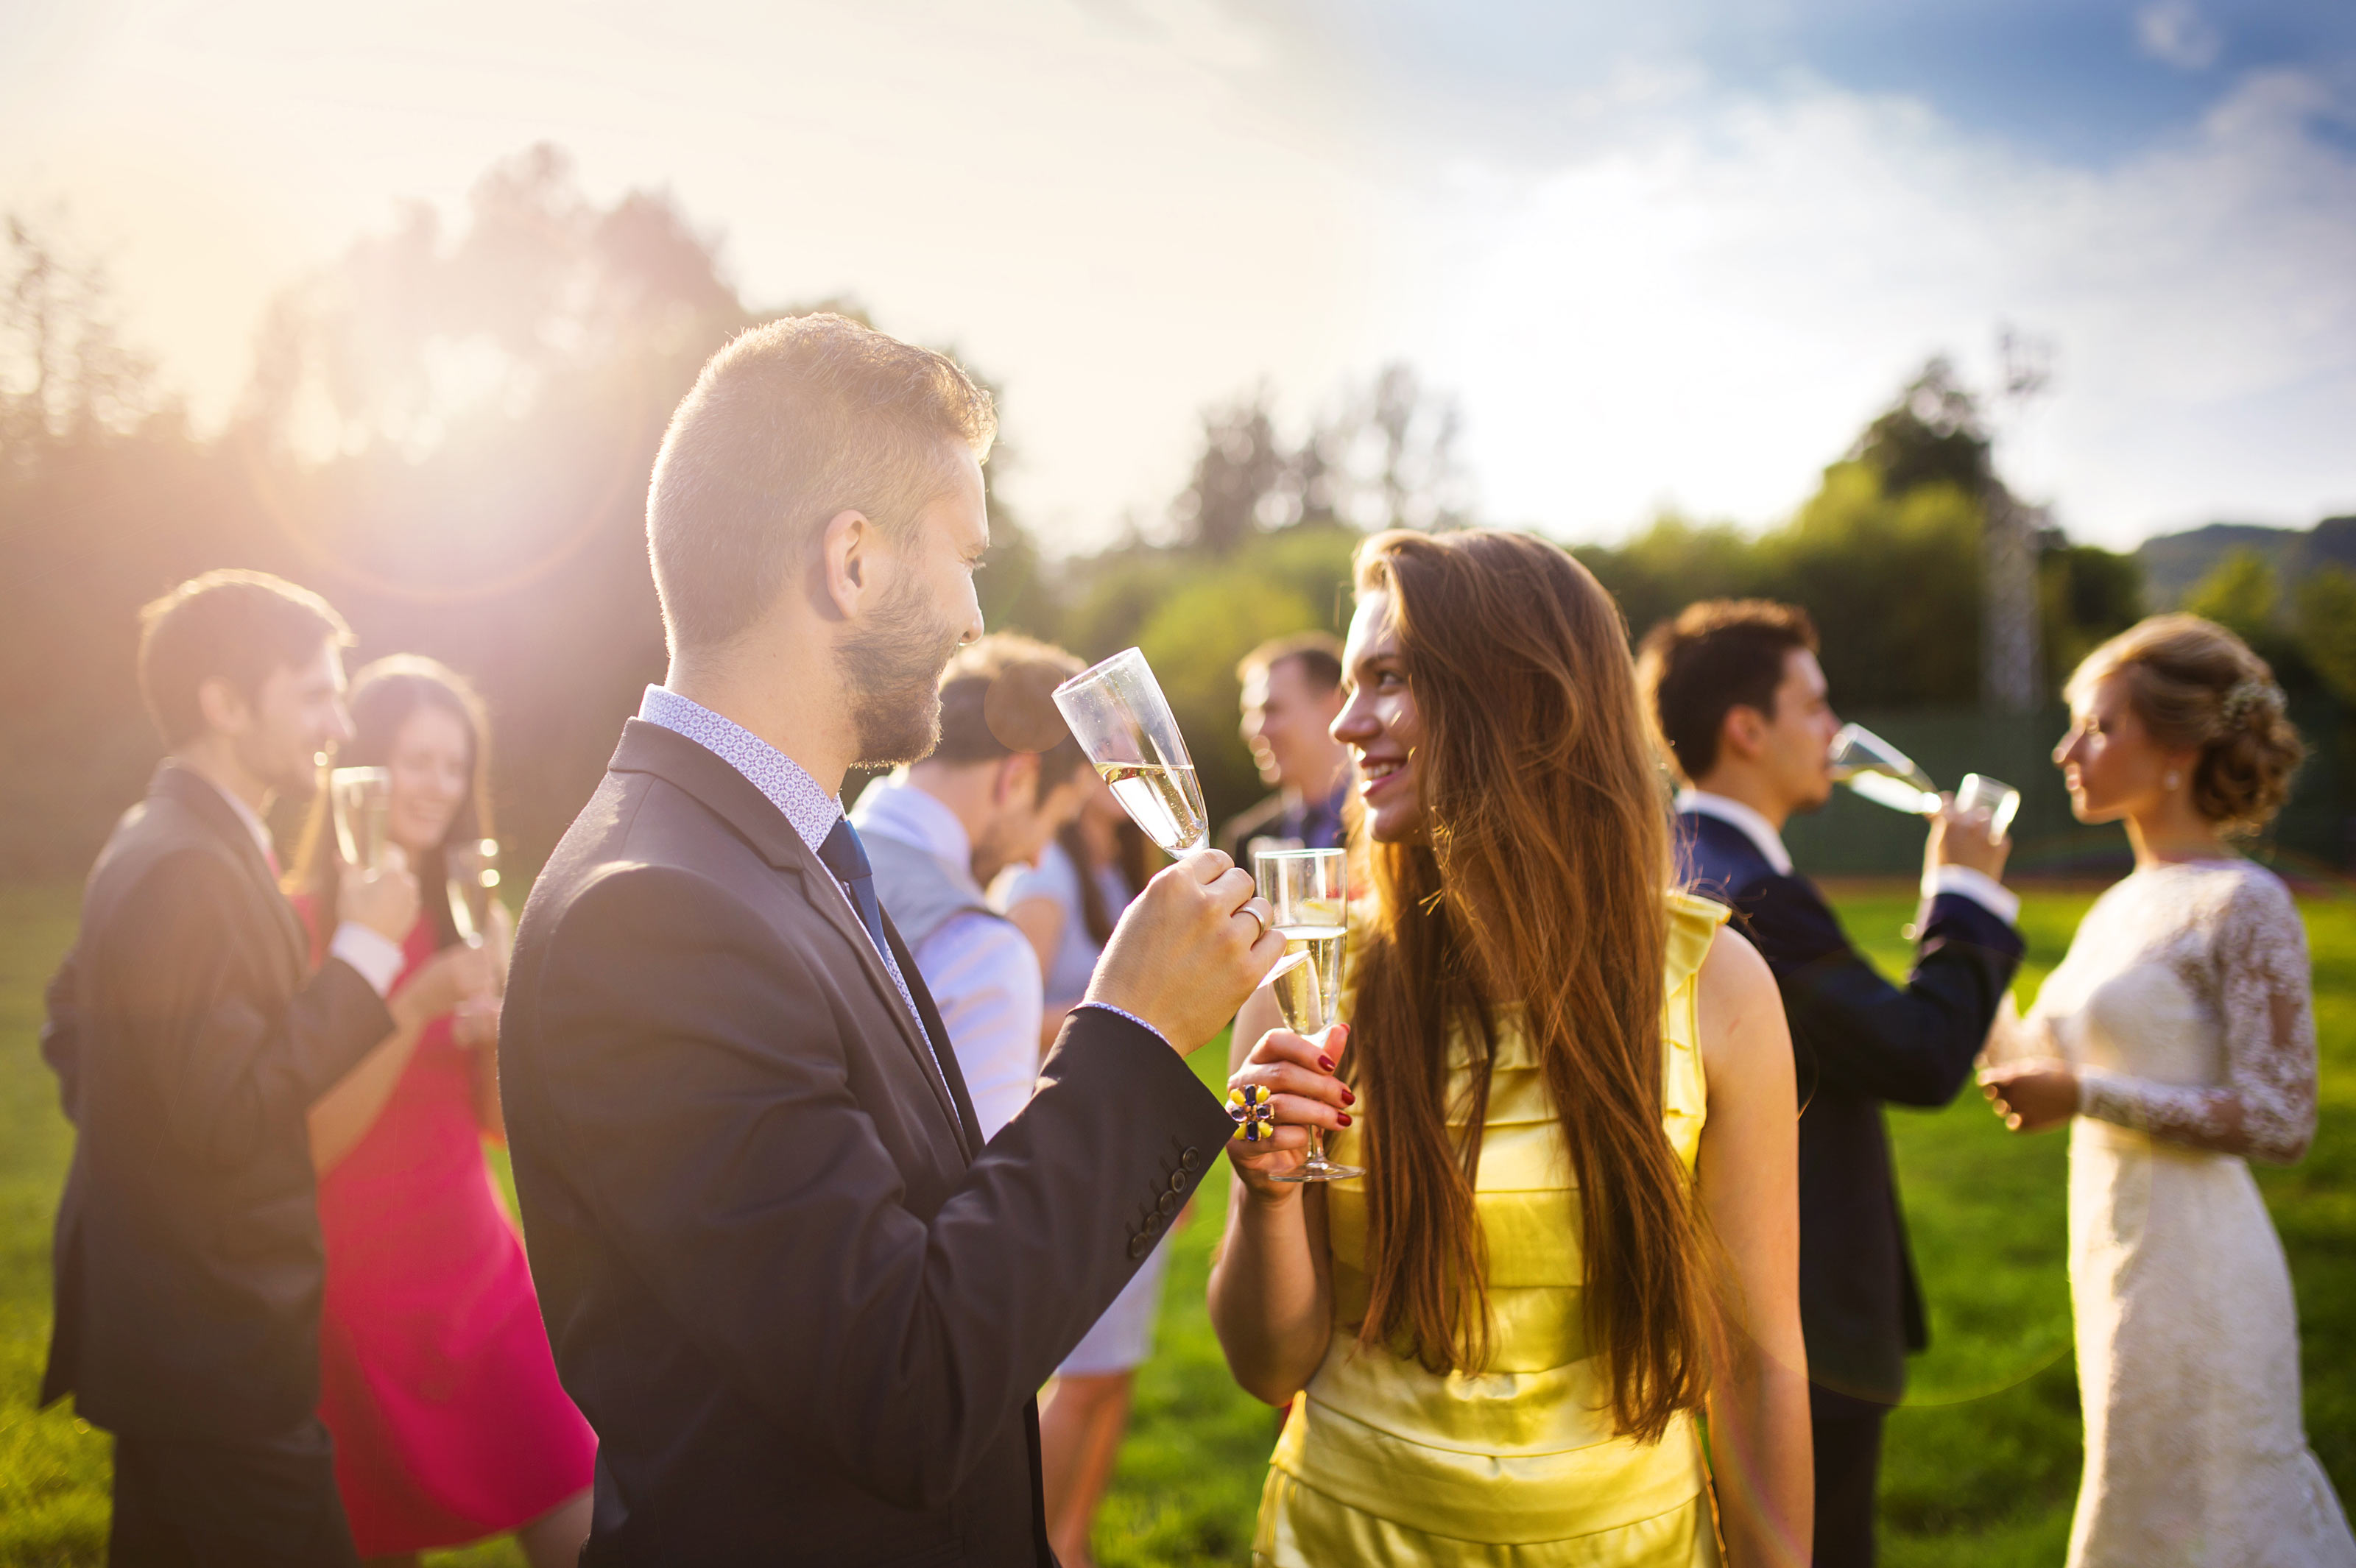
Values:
[(846, 857)]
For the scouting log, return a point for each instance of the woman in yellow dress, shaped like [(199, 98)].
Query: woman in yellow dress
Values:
[(1576, 1243)]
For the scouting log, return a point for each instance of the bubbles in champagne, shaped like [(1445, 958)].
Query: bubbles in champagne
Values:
[(1166, 802), (1307, 994)]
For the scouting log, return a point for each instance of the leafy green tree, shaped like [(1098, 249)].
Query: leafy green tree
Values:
[(2088, 594), (1237, 486), (2239, 594), (2324, 612), (1893, 584), (1933, 435)]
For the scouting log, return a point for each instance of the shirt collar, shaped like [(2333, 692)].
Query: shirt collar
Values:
[(1755, 828), (895, 808), (787, 785), (246, 815)]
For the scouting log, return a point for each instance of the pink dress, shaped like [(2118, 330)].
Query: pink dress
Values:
[(436, 1379)]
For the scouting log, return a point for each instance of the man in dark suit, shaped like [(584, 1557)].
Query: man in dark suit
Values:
[(189, 1044), (1741, 705), (1292, 693), (803, 1302)]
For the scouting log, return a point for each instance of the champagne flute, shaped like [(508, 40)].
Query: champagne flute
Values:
[(1999, 799), (1881, 772), (1888, 776), (473, 872), (1309, 889), (361, 799), (1123, 723)]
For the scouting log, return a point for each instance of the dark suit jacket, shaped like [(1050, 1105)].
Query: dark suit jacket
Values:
[(1859, 1040), (1317, 827), (804, 1306), (190, 1045)]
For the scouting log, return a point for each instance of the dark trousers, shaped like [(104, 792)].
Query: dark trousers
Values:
[(182, 1504), (1848, 1462)]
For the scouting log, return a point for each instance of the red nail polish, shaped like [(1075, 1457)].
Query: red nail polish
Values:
[(1348, 1098), (1326, 1063), (1342, 1116)]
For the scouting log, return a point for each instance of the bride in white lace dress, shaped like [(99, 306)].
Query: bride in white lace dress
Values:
[(2178, 1037)]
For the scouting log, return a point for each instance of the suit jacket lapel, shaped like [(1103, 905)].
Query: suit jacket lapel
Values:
[(203, 799), (650, 748)]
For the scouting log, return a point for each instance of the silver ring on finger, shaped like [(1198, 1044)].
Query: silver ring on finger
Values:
[(1257, 918)]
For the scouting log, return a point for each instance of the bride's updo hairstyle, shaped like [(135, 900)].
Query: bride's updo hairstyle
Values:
[(2197, 687)]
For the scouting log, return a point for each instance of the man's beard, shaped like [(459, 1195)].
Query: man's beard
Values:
[(893, 670), (279, 770)]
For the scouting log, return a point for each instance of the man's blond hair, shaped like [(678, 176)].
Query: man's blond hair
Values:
[(788, 425)]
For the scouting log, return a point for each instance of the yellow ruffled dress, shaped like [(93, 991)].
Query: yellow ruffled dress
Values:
[(1516, 1467)]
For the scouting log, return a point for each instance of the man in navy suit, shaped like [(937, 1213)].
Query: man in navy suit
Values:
[(1741, 705)]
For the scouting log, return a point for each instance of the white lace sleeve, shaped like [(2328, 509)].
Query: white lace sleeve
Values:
[(2265, 1108)]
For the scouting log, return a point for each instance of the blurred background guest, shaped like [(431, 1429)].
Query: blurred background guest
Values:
[(187, 1038), (1066, 905), (1005, 776), (1291, 691), (1743, 715), (2178, 1040), (436, 1377)]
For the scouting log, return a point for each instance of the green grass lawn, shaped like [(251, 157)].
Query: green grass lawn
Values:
[(1982, 1464)]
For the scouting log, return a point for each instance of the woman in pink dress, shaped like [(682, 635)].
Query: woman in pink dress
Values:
[(437, 1381)]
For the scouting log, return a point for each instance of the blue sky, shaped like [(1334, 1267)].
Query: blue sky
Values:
[(2086, 82)]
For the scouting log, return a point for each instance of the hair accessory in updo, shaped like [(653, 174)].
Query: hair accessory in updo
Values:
[(2248, 699)]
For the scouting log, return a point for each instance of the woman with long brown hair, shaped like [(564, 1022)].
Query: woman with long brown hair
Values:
[(435, 1375), (1572, 1097)]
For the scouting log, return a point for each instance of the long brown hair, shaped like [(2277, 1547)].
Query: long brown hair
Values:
[(1541, 886), (383, 697)]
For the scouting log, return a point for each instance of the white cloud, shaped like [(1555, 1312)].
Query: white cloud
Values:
[(2173, 32), (1669, 288), (1706, 312)]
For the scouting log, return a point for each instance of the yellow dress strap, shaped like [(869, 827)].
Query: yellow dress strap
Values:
[(1693, 926), (1684, 1087)]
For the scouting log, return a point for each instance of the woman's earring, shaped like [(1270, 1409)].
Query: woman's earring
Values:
[(2172, 780)]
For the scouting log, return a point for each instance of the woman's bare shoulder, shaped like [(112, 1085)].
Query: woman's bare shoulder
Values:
[(1741, 1011)]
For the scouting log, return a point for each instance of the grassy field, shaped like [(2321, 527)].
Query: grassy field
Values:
[(1982, 1464)]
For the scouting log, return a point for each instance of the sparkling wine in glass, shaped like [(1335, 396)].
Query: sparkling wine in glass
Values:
[(361, 799), (1310, 892), (1881, 772), (474, 870), (1123, 723)]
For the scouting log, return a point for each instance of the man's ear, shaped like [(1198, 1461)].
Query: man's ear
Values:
[(1743, 732), (224, 707), (847, 566), (1018, 777)]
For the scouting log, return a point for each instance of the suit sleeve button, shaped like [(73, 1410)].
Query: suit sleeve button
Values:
[(1169, 1204), (1191, 1160), (1178, 1179), (1138, 1245)]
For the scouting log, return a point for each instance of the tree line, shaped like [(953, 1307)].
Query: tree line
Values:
[(449, 428)]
